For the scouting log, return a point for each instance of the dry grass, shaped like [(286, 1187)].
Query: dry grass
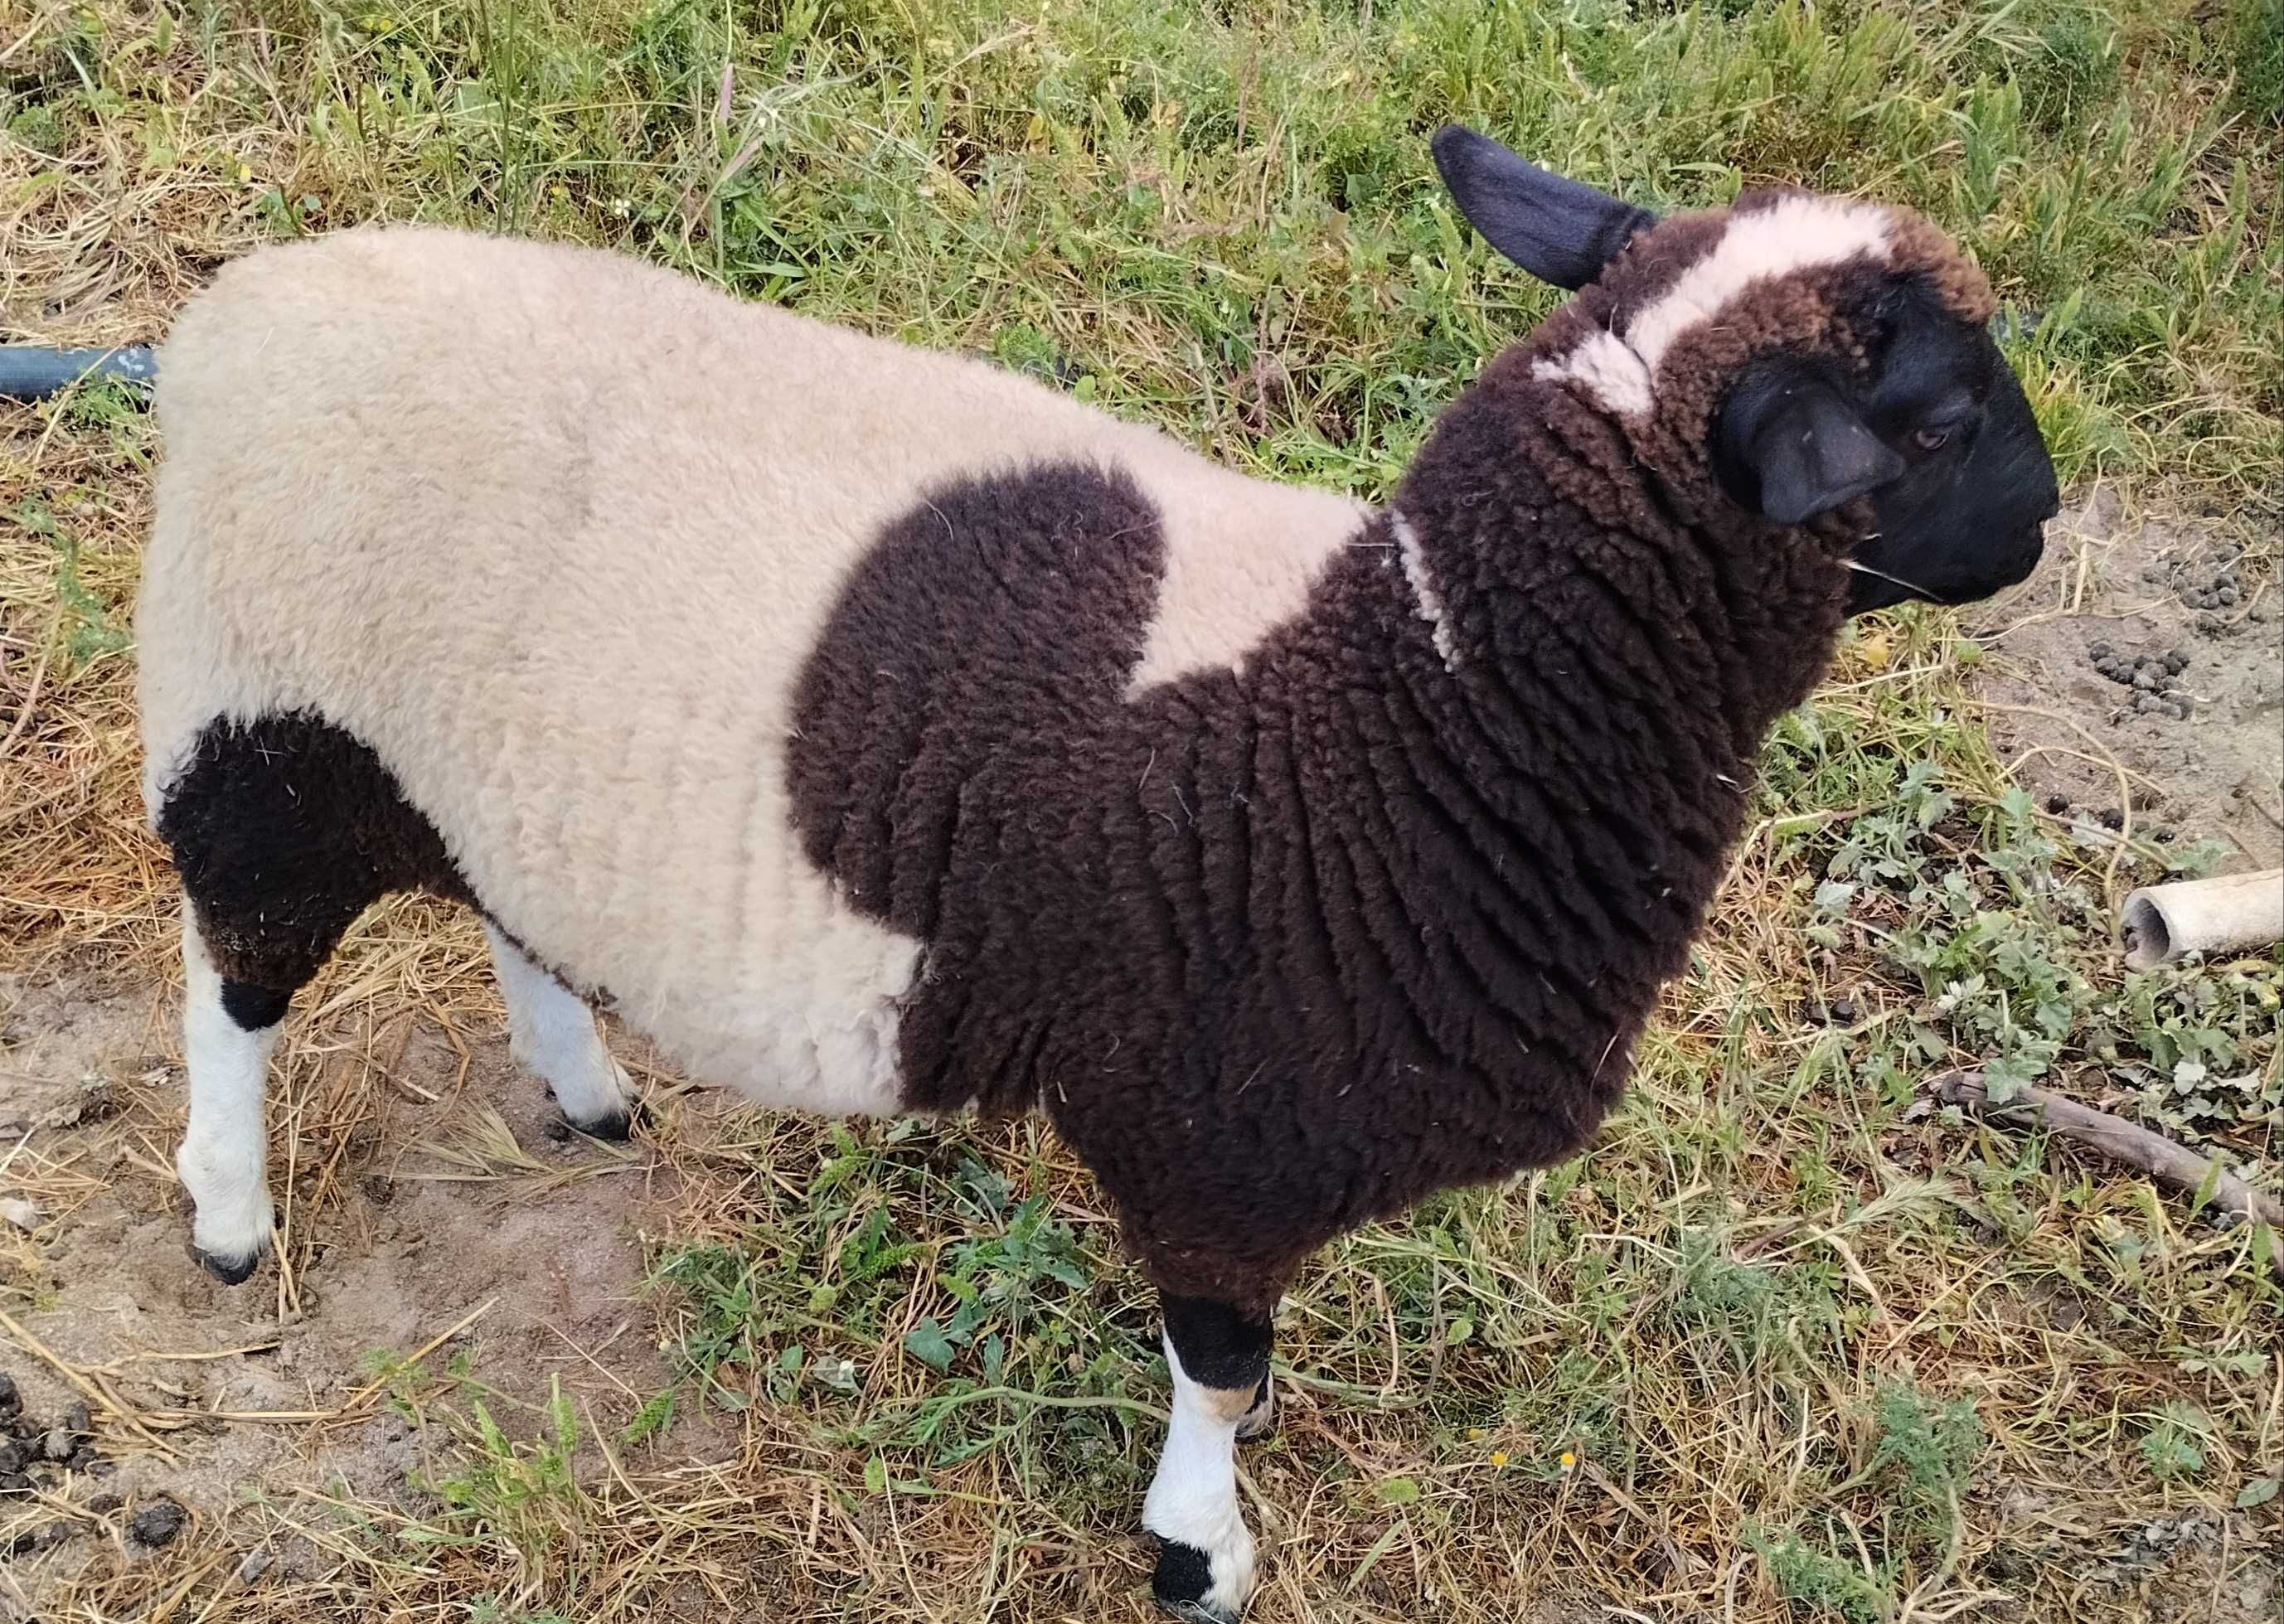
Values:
[(1714, 1371)]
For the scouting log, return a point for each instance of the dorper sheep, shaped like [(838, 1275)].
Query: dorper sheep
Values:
[(882, 732)]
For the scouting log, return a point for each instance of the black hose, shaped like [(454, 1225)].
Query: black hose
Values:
[(33, 372)]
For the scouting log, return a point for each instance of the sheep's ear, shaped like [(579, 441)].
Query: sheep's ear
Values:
[(1793, 447), (1559, 229)]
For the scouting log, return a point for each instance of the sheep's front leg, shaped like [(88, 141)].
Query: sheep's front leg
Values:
[(552, 1031), (1219, 1358)]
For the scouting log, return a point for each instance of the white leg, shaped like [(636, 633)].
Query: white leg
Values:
[(224, 1159), (1205, 1563), (553, 1032)]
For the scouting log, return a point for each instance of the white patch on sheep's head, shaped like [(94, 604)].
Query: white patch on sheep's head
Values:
[(1611, 371), (1793, 234)]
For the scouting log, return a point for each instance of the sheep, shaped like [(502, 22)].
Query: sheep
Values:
[(885, 733)]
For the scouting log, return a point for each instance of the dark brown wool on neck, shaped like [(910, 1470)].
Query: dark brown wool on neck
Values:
[(1287, 948)]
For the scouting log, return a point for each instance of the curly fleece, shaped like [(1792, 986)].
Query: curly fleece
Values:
[(886, 733), (1287, 948)]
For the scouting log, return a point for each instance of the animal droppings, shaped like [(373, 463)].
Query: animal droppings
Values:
[(158, 1523), (29, 1445), (2154, 678)]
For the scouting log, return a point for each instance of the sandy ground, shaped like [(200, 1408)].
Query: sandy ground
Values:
[(2136, 585), (532, 1277)]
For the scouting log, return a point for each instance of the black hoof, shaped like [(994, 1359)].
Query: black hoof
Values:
[(229, 1271), (1183, 1575), (617, 1127)]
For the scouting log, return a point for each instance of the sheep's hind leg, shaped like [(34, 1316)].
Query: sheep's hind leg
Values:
[(1219, 1358), (553, 1032), (284, 828), (229, 1030)]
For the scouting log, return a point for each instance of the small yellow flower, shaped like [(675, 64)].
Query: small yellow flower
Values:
[(1498, 1457), (1569, 1458), (1474, 1434)]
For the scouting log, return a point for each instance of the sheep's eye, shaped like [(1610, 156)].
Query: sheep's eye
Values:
[(1931, 439)]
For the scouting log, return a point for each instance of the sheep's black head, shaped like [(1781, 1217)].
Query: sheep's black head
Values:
[(1807, 351)]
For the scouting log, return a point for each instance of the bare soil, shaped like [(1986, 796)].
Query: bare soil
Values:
[(2115, 586), (543, 1278)]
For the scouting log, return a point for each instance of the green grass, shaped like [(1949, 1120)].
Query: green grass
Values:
[(1787, 1343), (1230, 225)]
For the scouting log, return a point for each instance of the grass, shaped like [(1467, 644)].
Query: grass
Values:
[(1784, 1345)]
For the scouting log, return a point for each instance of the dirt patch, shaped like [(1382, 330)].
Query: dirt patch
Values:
[(2155, 646), (539, 1267), (2183, 1570)]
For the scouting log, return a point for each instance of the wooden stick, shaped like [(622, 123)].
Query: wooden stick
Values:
[(2163, 1160)]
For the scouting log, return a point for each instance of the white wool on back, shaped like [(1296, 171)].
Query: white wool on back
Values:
[(553, 532)]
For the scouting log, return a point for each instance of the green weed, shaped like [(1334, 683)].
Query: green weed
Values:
[(1811, 1577), (1992, 913), (1929, 1447), (2173, 1446), (515, 1493), (92, 627)]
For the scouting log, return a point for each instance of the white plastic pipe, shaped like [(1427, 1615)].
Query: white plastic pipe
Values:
[(2233, 912)]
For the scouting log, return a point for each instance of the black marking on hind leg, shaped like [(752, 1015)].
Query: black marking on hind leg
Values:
[(284, 830), (253, 1008)]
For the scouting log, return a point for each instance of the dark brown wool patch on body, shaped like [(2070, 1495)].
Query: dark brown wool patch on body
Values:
[(1287, 950)]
